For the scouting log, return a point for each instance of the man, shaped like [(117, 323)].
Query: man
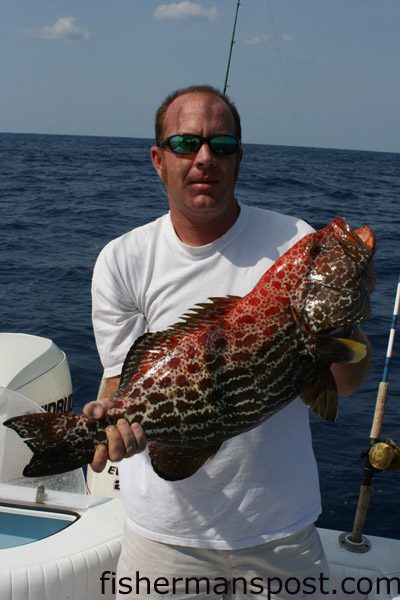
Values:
[(248, 513)]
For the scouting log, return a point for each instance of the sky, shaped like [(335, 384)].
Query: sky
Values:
[(321, 73)]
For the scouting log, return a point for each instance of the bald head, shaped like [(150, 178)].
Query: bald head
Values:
[(199, 89)]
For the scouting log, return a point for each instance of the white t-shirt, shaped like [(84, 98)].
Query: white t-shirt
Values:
[(260, 485)]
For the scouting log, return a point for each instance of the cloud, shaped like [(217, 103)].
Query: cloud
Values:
[(63, 29), (288, 39), (253, 40), (184, 11)]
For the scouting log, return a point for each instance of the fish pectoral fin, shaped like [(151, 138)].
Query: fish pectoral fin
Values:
[(321, 396), (341, 350), (177, 462)]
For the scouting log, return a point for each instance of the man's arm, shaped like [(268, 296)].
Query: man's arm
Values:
[(108, 387), (124, 440), (349, 377)]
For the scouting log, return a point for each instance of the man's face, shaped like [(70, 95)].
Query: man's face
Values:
[(200, 186)]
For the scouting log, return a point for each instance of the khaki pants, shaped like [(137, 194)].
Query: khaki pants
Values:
[(291, 567)]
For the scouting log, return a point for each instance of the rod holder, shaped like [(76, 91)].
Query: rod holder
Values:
[(346, 542)]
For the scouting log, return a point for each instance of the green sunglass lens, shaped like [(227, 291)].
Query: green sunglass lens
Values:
[(223, 144), (185, 144)]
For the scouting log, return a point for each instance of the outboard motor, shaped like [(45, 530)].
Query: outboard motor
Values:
[(37, 369), (34, 375)]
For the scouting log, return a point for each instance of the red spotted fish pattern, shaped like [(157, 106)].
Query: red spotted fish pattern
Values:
[(230, 363)]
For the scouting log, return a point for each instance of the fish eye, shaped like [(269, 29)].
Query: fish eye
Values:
[(314, 251)]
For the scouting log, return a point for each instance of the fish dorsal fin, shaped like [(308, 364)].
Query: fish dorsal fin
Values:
[(204, 314), (321, 396), (151, 347), (176, 462)]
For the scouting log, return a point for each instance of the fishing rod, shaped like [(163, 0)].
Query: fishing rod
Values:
[(381, 455), (231, 47), (284, 78)]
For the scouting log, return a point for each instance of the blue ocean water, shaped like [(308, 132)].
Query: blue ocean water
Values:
[(62, 198)]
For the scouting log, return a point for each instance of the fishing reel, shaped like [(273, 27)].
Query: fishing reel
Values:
[(385, 456)]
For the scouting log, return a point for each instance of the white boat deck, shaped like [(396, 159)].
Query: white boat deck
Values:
[(68, 564), (363, 575)]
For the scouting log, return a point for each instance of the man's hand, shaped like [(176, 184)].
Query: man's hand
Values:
[(124, 440)]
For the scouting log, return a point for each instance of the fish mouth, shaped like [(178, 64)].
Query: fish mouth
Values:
[(367, 235), (353, 240)]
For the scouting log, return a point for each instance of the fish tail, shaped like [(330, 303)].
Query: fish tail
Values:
[(59, 442)]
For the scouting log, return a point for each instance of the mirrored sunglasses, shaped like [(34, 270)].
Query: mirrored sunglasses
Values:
[(187, 143)]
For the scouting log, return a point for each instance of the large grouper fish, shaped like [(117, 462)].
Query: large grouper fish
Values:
[(230, 363)]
